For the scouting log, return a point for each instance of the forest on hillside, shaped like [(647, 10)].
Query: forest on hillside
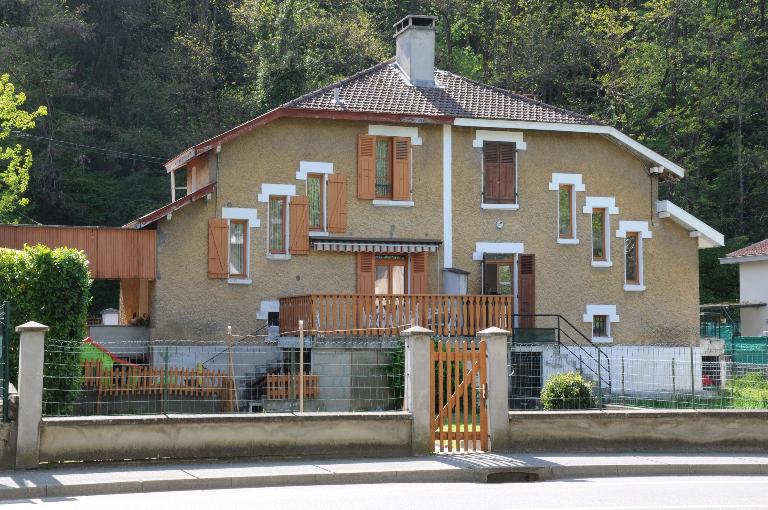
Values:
[(129, 83)]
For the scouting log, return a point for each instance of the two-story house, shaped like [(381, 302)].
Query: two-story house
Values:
[(405, 194)]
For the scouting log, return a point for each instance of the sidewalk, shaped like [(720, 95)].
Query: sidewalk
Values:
[(82, 480)]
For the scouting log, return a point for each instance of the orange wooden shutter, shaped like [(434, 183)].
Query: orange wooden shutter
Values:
[(526, 298), (366, 167), (365, 273), (337, 203), (401, 169), (299, 218), (507, 154), (218, 248), (419, 273)]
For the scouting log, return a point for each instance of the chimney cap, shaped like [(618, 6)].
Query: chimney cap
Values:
[(422, 21)]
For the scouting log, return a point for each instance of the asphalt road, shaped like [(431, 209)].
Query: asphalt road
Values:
[(598, 493)]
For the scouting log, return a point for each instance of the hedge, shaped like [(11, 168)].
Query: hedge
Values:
[(51, 287), (567, 391)]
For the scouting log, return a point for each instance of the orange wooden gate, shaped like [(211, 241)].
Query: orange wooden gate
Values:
[(458, 395)]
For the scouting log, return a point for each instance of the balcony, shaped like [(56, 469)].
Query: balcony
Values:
[(366, 315)]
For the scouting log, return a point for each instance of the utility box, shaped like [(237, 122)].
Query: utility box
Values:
[(110, 317), (455, 281)]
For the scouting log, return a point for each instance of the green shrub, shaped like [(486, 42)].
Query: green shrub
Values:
[(567, 391), (750, 391), (51, 287)]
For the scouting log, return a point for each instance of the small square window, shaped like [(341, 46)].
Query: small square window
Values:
[(600, 326)]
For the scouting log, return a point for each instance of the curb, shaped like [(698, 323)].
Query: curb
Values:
[(466, 475)]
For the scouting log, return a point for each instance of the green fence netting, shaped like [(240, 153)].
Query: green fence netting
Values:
[(748, 349)]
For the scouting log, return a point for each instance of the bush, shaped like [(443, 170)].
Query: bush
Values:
[(51, 287), (750, 391), (567, 391)]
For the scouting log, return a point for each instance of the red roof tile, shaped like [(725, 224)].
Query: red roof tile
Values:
[(759, 248)]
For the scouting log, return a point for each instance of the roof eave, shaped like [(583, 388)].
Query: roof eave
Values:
[(707, 236), (744, 258)]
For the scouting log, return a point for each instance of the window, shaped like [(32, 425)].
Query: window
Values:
[(599, 235), (565, 211), (500, 170), (498, 274), (632, 258), (390, 274), (277, 224), (600, 326), (316, 196), (383, 167), (238, 241)]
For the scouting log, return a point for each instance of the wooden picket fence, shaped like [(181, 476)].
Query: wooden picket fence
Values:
[(285, 386), (458, 396), (144, 380)]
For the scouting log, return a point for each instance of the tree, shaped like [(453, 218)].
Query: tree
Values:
[(14, 178)]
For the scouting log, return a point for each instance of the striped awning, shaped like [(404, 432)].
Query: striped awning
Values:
[(375, 245)]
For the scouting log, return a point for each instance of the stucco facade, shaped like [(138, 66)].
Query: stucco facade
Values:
[(186, 304)]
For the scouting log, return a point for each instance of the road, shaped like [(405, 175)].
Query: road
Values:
[(586, 494)]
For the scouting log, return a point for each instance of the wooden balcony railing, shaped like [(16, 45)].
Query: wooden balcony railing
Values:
[(387, 315)]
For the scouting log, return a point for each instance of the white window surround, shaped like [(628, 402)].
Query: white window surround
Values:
[(500, 207), (641, 227), (404, 131), (277, 190), (607, 310), (267, 306), (609, 204), (484, 135), (574, 180), (312, 167), (251, 216), (481, 248), (242, 213), (393, 203)]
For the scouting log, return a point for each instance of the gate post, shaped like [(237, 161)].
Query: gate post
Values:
[(497, 393), (418, 343), (31, 351)]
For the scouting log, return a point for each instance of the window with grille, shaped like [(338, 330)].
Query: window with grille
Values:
[(316, 196), (277, 224), (600, 328), (383, 167)]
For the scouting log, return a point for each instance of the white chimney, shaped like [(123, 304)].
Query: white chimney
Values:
[(415, 39)]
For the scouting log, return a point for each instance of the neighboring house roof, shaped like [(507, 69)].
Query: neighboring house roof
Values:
[(384, 89), (382, 93), (708, 237), (752, 253), (155, 215)]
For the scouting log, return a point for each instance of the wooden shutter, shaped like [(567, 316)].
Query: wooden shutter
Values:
[(218, 248), (419, 273), (366, 167), (507, 154), (491, 170), (299, 218), (337, 203), (526, 297), (365, 273), (401, 168), (499, 169)]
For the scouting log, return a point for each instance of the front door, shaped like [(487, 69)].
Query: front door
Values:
[(512, 274)]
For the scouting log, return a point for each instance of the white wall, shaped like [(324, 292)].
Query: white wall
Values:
[(753, 279)]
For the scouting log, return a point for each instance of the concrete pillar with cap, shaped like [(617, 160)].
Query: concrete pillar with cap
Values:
[(498, 386), (418, 343), (31, 352)]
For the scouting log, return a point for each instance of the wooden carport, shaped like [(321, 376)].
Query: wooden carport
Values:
[(114, 253)]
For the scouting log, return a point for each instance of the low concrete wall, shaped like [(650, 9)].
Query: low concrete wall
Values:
[(637, 430), (226, 435), (7, 445)]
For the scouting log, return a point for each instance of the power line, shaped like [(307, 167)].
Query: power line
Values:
[(121, 154)]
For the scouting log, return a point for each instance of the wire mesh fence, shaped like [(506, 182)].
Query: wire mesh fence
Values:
[(239, 374), (659, 376)]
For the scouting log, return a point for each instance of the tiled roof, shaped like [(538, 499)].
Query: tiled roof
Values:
[(384, 89), (759, 248)]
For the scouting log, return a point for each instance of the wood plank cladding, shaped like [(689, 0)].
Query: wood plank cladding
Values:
[(113, 253)]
